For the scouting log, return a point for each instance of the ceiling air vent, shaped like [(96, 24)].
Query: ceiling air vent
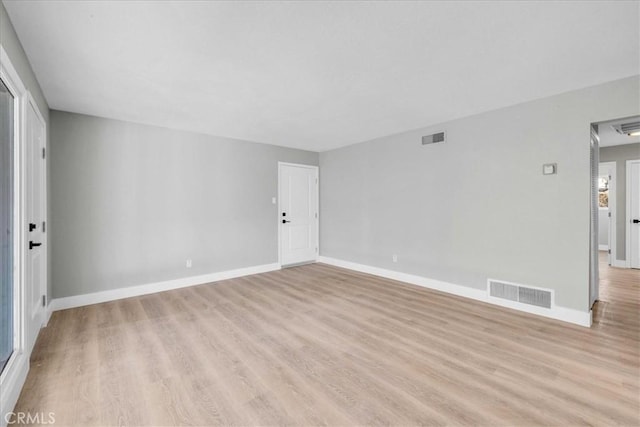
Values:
[(433, 139), (520, 294), (631, 128)]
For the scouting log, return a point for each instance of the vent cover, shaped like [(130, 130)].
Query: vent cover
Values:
[(627, 128), (520, 294), (433, 138)]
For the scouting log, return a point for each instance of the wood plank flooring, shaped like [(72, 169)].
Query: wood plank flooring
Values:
[(319, 345)]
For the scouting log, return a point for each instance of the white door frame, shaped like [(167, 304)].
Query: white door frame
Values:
[(628, 213), (278, 218), (594, 212), (15, 371), (613, 182)]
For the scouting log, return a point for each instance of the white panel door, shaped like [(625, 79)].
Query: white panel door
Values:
[(35, 260), (298, 216), (633, 195)]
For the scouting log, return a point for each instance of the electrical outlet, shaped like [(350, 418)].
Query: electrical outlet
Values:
[(395, 258), (189, 263)]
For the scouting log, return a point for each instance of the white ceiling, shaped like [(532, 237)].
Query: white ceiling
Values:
[(318, 75), (609, 137)]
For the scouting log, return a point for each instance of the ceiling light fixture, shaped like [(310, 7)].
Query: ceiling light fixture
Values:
[(630, 129)]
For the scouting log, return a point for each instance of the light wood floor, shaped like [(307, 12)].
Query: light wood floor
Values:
[(318, 345)]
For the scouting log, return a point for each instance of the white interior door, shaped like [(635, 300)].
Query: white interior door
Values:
[(298, 213), (633, 203), (35, 201)]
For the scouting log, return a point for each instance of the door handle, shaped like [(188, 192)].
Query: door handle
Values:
[(636, 221), (284, 221), (33, 245)]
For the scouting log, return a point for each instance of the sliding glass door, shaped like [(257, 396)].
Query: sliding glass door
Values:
[(6, 224)]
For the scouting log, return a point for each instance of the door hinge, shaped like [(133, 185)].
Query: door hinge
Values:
[(609, 214), (43, 153), (316, 215), (316, 250), (44, 300), (44, 226), (609, 251)]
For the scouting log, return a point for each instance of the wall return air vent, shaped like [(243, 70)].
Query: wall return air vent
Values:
[(520, 294), (433, 138)]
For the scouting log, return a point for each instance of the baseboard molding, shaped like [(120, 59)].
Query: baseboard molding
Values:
[(619, 263), (603, 247), (463, 291), (151, 288), (47, 314), (569, 315)]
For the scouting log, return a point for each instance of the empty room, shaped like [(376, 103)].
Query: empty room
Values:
[(319, 213)]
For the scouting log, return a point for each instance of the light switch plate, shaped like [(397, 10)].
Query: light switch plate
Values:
[(549, 169)]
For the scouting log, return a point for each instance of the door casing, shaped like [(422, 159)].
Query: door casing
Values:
[(14, 374), (629, 225)]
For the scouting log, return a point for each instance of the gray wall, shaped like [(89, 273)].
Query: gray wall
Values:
[(620, 154), (19, 60), (131, 203), (477, 206)]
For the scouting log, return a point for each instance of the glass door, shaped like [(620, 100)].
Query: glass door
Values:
[(6, 224)]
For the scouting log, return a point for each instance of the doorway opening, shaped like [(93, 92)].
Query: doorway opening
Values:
[(615, 208)]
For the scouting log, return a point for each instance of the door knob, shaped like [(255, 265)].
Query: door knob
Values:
[(636, 221), (33, 245), (284, 221)]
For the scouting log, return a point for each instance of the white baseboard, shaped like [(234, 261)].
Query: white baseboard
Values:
[(47, 314), (463, 291), (619, 263), (582, 318), (603, 247), (134, 291)]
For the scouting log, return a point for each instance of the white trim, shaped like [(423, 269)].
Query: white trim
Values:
[(577, 317), (613, 207), (603, 247), (463, 291), (47, 314), (594, 232), (628, 213), (12, 387), (278, 217), (14, 373), (151, 288), (619, 263)]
